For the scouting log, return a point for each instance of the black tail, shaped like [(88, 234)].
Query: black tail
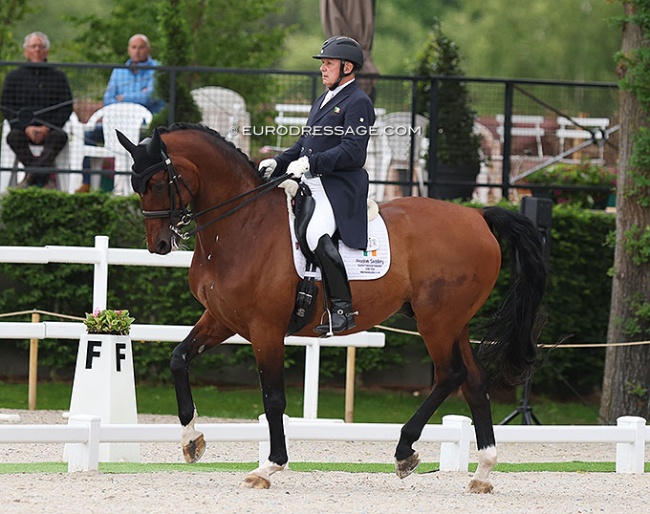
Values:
[(510, 343)]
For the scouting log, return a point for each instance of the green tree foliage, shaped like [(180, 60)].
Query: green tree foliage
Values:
[(220, 33), (11, 12), (537, 38), (216, 33), (456, 142), (104, 38), (533, 39), (176, 51)]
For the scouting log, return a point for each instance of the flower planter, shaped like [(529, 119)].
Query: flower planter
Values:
[(560, 183)]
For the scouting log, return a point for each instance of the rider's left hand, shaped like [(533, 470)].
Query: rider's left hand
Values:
[(298, 167)]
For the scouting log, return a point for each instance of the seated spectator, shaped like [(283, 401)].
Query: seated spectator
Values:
[(37, 102), (131, 84)]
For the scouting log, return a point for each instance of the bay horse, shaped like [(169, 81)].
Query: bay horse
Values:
[(445, 263)]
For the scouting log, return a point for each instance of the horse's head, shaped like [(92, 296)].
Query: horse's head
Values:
[(164, 193)]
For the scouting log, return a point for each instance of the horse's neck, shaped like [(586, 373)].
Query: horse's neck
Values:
[(254, 225)]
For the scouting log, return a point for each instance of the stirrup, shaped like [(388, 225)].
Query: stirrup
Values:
[(328, 329)]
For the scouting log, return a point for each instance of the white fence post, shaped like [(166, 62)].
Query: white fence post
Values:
[(455, 456), (84, 456), (630, 457), (312, 364), (100, 282)]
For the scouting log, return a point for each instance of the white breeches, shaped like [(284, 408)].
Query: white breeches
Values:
[(322, 222)]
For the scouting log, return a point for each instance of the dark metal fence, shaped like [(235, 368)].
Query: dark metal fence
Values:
[(524, 125)]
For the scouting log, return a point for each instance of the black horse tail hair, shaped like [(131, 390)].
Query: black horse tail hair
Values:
[(509, 347)]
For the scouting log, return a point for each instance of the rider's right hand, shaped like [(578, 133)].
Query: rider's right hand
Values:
[(266, 168)]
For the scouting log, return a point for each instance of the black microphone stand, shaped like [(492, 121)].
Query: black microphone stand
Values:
[(525, 409)]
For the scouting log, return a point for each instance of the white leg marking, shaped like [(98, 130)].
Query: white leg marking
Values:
[(487, 459), (266, 470), (189, 433)]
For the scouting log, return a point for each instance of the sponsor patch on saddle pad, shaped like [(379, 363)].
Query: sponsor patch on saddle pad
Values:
[(368, 264)]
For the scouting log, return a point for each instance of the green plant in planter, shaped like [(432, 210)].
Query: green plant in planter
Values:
[(585, 174), (457, 146), (108, 321)]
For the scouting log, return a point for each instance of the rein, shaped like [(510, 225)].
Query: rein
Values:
[(186, 216)]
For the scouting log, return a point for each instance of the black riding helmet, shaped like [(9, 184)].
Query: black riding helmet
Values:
[(344, 48)]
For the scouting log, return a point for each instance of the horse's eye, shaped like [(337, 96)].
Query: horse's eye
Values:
[(158, 187)]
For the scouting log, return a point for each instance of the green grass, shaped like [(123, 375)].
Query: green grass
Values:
[(369, 406), (245, 467)]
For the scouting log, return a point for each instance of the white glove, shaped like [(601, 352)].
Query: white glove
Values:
[(267, 167), (298, 167)]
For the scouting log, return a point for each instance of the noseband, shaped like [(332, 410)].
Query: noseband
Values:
[(184, 215)]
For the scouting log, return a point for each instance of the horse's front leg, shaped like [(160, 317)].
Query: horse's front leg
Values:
[(205, 334), (270, 365)]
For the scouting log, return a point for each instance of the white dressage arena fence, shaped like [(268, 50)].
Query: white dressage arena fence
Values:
[(84, 434)]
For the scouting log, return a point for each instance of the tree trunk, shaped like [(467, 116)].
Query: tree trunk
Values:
[(627, 368)]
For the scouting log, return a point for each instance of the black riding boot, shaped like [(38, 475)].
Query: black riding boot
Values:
[(335, 280)]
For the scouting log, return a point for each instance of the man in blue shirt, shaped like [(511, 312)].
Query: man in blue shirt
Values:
[(132, 84)]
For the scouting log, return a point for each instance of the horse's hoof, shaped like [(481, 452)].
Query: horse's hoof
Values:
[(194, 450), (479, 487), (405, 467), (255, 482)]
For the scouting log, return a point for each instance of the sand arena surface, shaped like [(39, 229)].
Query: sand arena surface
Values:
[(315, 492)]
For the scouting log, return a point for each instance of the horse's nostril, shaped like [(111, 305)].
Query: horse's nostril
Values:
[(163, 247)]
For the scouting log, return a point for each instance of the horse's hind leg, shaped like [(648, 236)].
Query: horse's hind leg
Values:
[(475, 391), (449, 374), (204, 335)]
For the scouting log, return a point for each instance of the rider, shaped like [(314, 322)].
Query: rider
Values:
[(329, 158)]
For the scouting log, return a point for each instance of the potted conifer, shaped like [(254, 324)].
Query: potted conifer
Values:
[(457, 151)]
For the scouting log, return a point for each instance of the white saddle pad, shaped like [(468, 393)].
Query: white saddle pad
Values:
[(368, 264)]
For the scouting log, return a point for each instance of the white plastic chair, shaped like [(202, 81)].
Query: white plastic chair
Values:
[(524, 125), (11, 175), (224, 110), (126, 117)]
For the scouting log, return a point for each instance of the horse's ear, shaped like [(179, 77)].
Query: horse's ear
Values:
[(125, 142), (155, 144)]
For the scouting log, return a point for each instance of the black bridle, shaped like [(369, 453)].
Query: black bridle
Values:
[(182, 213)]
